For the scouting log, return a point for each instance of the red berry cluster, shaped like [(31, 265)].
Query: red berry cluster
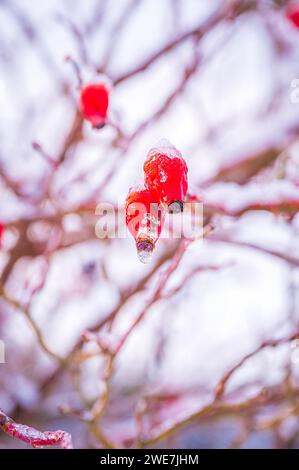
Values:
[(165, 188), (94, 101)]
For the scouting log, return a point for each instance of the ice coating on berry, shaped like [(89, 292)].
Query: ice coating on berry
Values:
[(166, 172), (144, 256), (164, 147), (164, 143), (144, 216), (144, 251), (144, 219)]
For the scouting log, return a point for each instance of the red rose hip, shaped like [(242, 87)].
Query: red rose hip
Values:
[(166, 172), (1, 232), (144, 219), (94, 101), (292, 13)]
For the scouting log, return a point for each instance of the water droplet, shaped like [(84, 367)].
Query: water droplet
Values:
[(144, 256), (144, 251)]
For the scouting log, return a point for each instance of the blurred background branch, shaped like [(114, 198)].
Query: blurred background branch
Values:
[(198, 349)]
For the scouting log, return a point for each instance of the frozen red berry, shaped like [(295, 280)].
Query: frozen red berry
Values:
[(94, 104), (292, 14), (1, 232), (166, 172), (144, 219)]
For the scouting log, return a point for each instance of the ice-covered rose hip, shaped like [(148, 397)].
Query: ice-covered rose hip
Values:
[(94, 100), (144, 219), (166, 172)]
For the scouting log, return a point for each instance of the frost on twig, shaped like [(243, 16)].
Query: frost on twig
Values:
[(34, 437)]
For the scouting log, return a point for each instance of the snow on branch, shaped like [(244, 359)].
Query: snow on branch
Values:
[(34, 437)]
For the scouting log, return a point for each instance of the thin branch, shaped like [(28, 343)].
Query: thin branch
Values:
[(36, 329), (34, 437), (220, 238), (197, 32)]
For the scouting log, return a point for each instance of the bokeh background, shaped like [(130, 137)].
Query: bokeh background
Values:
[(213, 360)]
